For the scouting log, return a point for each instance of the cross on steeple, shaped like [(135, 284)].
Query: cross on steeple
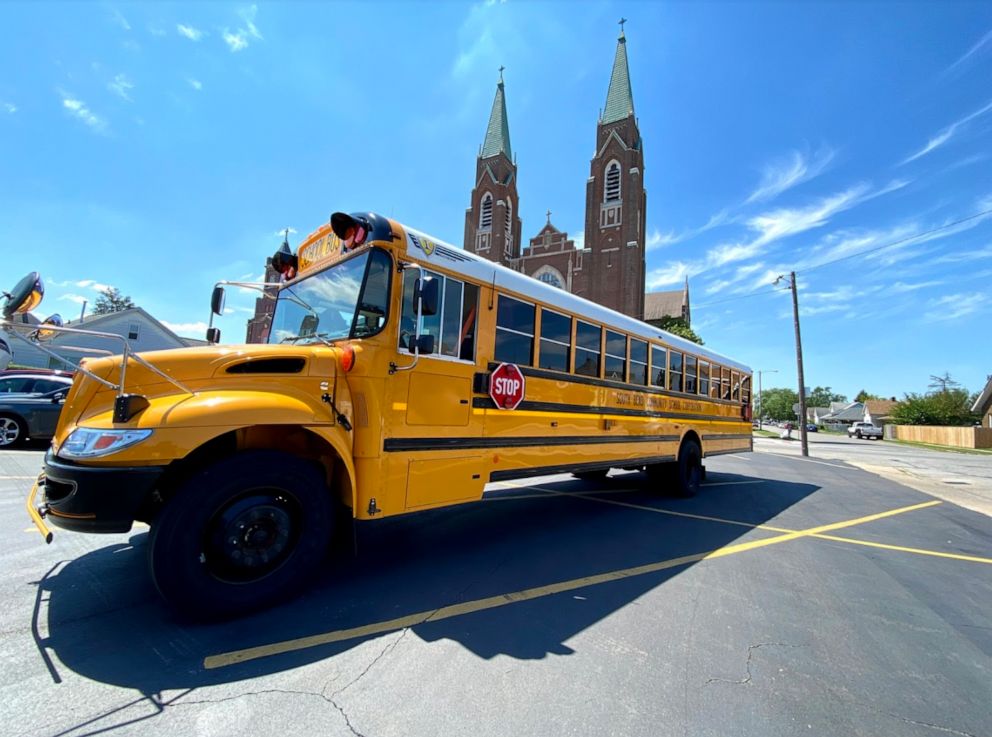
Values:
[(501, 73), (549, 216), (622, 21)]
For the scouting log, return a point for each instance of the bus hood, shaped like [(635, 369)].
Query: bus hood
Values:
[(243, 368)]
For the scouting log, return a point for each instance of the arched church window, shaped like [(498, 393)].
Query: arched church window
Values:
[(486, 219), (612, 189), (508, 222)]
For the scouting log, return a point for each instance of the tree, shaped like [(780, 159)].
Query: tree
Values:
[(678, 326), (777, 403), (864, 396), (942, 383), (821, 396), (111, 300), (948, 407)]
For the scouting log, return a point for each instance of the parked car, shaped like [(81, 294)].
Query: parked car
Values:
[(28, 383), (811, 427), (36, 372), (864, 430), (32, 415)]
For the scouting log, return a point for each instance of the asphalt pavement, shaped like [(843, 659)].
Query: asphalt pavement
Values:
[(792, 596)]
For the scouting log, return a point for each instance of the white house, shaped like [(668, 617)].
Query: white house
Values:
[(142, 332)]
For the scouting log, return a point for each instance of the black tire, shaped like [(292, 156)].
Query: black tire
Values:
[(12, 431), (242, 534), (858, 434), (689, 473), (598, 475)]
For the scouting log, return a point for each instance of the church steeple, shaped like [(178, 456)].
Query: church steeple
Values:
[(492, 221), (619, 98), (498, 133)]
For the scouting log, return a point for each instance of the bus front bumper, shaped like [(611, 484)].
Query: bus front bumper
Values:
[(89, 499)]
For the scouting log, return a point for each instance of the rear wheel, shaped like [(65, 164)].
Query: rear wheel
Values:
[(241, 534), (11, 431)]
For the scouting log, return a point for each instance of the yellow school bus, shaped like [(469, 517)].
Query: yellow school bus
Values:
[(400, 374)]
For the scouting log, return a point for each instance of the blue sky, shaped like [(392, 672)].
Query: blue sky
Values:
[(159, 148)]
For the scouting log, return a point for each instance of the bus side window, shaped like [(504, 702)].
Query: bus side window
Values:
[(616, 356), (676, 371), (514, 331), (736, 381), (587, 348), (470, 312), (451, 320), (556, 341), (704, 378), (408, 318), (659, 363), (690, 374), (638, 362), (726, 383)]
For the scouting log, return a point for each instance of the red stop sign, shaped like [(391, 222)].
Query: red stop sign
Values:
[(507, 385)]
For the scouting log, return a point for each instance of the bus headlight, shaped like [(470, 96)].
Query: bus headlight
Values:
[(86, 442)]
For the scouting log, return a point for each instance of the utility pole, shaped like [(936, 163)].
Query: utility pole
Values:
[(799, 363), (761, 396)]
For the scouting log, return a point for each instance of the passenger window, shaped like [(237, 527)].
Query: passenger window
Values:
[(725, 384), (556, 341), (470, 311), (451, 318), (746, 390), (587, 348), (704, 378), (659, 361), (675, 371), (690, 374), (616, 356), (453, 327), (514, 331), (638, 362), (736, 382)]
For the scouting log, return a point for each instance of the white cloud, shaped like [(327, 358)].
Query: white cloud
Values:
[(157, 31), (281, 233), (91, 284), (195, 84), (956, 258), (120, 20), (675, 273), (235, 41), (78, 109), (984, 41), (785, 173), (657, 239), (947, 133), (579, 239), (728, 253), (121, 86), (772, 226), (188, 329), (902, 288), (77, 298), (240, 38), (10, 107), (193, 34), (954, 306)]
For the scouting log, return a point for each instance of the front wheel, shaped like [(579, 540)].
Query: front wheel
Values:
[(242, 534)]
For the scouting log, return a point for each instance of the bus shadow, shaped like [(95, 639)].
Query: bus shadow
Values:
[(106, 623)]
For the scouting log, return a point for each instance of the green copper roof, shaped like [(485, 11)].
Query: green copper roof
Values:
[(498, 132), (619, 100)]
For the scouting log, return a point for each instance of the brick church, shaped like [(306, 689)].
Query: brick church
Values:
[(610, 268)]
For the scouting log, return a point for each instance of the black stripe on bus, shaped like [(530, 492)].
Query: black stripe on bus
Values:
[(610, 384), (583, 409), (720, 436), (391, 445), (519, 473), (725, 452)]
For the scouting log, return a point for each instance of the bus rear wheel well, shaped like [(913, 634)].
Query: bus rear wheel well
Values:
[(296, 441)]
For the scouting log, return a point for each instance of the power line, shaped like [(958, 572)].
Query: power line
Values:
[(742, 296)]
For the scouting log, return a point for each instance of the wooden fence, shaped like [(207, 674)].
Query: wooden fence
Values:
[(960, 437)]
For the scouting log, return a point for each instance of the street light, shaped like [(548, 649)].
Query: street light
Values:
[(761, 396)]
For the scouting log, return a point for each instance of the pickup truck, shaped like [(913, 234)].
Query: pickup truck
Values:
[(864, 430)]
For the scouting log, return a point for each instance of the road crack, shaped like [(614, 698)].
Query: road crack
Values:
[(747, 664)]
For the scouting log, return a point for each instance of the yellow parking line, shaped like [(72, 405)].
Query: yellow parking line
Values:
[(455, 610), (902, 549)]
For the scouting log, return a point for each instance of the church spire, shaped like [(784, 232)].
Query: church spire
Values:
[(619, 99), (498, 132)]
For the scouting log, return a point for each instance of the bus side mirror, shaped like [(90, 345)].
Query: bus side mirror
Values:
[(25, 296), (425, 344), (213, 335), (428, 292), (217, 301)]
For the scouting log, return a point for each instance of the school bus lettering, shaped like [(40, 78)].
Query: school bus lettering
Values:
[(385, 385)]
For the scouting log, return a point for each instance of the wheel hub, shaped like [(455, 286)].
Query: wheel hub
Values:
[(252, 536)]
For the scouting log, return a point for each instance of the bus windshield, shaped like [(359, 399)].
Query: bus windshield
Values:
[(347, 300)]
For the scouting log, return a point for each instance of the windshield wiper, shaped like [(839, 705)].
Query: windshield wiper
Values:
[(322, 337)]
